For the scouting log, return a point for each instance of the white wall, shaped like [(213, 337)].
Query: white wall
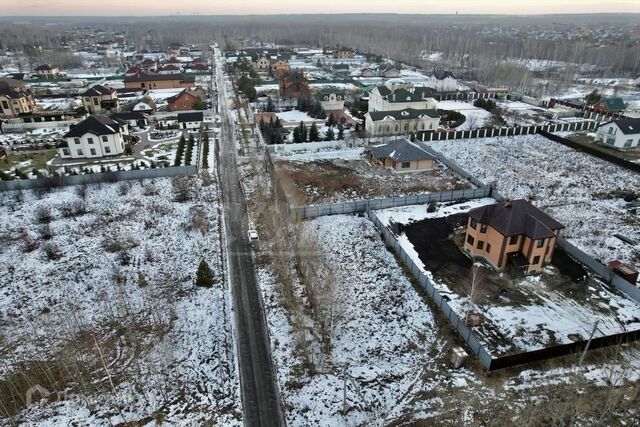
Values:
[(611, 135), (397, 127), (114, 144)]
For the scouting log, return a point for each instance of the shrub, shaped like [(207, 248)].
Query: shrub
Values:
[(52, 251), (43, 214), (73, 208), (204, 275)]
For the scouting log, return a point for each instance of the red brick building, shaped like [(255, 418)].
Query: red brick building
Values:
[(184, 101), (294, 84)]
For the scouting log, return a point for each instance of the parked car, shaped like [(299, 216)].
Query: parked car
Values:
[(253, 235)]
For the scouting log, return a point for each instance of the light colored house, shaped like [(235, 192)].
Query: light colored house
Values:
[(262, 64), (94, 137), (621, 134), (442, 81), (99, 98), (403, 122), (170, 69), (158, 81), (401, 155), (47, 71), (279, 67), (396, 94), (385, 70), (343, 53), (146, 104), (331, 100), (190, 121), (132, 118), (512, 234), (15, 99)]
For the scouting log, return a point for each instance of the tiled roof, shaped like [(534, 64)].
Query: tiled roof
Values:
[(406, 114), (96, 124), (400, 150)]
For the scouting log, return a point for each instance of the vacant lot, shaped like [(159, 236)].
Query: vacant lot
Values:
[(335, 180), (584, 193)]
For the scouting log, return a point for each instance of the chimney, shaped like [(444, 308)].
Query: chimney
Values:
[(507, 203)]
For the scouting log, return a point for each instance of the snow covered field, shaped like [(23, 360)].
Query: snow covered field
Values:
[(384, 332), (102, 278), (579, 190), (476, 117)]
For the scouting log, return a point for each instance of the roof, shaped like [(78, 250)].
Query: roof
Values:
[(340, 66), (400, 150), (96, 124), (143, 77), (171, 67), (191, 117), (614, 104), (627, 126), (98, 90), (11, 90), (130, 115), (442, 74), (416, 94), (406, 114), (44, 67), (177, 96), (515, 218)]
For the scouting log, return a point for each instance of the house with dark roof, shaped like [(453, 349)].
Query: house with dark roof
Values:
[(401, 155), (132, 118), (620, 134), (190, 121), (384, 70), (170, 69), (94, 137), (158, 81), (98, 99), (402, 122), (397, 94), (15, 99), (442, 81), (512, 235), (46, 71), (331, 100)]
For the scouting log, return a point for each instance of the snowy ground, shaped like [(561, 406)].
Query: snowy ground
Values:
[(115, 286), (383, 336), (36, 136), (530, 312), (579, 190), (520, 113), (476, 117)]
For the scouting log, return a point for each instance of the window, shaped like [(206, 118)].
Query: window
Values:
[(92, 151), (513, 240), (80, 152), (488, 247), (105, 138), (480, 244), (406, 165), (540, 243), (474, 223), (483, 228), (90, 140), (536, 260), (95, 101), (5, 105), (66, 152), (470, 239), (628, 142), (107, 150), (76, 140)]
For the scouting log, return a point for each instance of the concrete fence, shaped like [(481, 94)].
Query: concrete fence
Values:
[(365, 205), (455, 321), (426, 136), (61, 181), (314, 146)]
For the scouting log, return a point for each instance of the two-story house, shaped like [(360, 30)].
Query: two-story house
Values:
[(512, 234), (99, 98), (396, 94), (94, 137), (401, 122), (46, 71), (15, 99), (442, 81), (620, 134), (331, 100)]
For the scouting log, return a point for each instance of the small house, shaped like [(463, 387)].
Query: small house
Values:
[(620, 134), (401, 155), (190, 121)]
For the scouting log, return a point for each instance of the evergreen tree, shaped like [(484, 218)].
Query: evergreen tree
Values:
[(304, 133), (340, 131), (204, 275), (314, 135), (296, 136), (270, 108), (332, 120), (329, 135)]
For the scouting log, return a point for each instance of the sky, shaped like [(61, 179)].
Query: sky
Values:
[(226, 7)]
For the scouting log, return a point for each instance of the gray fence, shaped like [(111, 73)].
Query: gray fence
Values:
[(60, 181), (456, 322), (365, 205), (452, 165), (505, 131)]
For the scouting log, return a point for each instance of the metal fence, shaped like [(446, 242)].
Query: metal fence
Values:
[(365, 205), (94, 178), (456, 322)]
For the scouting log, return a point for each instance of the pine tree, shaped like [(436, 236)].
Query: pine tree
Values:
[(204, 275), (304, 133), (329, 135), (340, 131), (314, 135), (296, 135), (270, 107)]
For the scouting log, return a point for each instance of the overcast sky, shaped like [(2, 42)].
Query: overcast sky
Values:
[(212, 7)]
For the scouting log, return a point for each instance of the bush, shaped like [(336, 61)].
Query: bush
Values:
[(181, 188), (43, 214), (204, 275), (52, 251), (73, 208), (485, 104)]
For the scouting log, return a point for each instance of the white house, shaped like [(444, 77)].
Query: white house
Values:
[(396, 95), (146, 104), (403, 122), (190, 121), (94, 137), (442, 81), (620, 134), (331, 100)]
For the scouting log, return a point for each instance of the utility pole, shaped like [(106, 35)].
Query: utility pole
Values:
[(586, 348)]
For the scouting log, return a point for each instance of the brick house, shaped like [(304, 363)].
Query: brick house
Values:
[(401, 155), (184, 101), (158, 81), (294, 84), (512, 234)]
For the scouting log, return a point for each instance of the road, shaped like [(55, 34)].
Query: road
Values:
[(260, 397)]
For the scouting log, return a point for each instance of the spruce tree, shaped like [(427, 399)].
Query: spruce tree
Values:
[(329, 135), (204, 275), (314, 135)]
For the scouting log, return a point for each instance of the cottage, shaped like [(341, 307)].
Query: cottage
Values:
[(184, 101), (442, 81), (47, 71), (99, 98), (146, 104), (15, 99), (170, 69), (401, 155), (148, 65), (403, 122), (611, 105), (396, 94), (279, 67), (331, 100), (190, 121), (620, 134), (294, 84), (96, 136), (512, 234), (262, 64), (132, 118), (343, 53), (385, 70), (158, 81)]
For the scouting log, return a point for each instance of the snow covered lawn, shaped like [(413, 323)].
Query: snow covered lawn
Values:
[(383, 335), (581, 191), (295, 116), (476, 117), (104, 281)]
